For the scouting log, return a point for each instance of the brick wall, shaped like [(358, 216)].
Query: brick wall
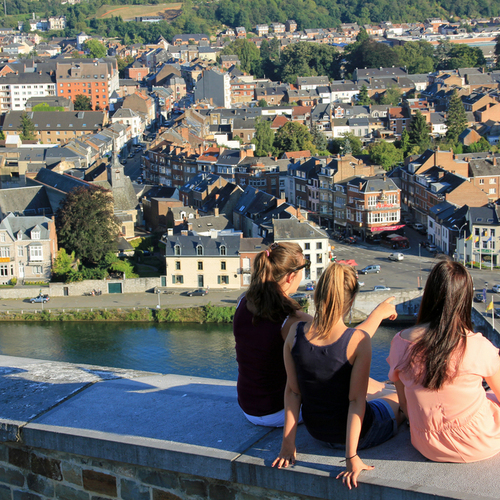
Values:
[(36, 474)]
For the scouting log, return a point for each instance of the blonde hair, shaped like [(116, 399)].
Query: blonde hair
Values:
[(269, 268), (334, 296)]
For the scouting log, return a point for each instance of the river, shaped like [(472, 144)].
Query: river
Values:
[(205, 350)]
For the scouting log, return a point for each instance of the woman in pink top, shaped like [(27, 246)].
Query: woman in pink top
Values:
[(438, 367)]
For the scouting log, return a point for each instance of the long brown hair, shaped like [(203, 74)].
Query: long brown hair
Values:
[(269, 268), (334, 296), (446, 307)]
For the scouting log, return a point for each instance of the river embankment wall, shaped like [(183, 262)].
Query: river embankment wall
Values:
[(79, 432)]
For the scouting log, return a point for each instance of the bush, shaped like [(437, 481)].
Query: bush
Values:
[(215, 314), (13, 281)]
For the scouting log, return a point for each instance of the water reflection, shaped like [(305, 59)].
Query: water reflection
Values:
[(197, 350)]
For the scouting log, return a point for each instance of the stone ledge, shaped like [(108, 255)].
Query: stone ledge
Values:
[(194, 426)]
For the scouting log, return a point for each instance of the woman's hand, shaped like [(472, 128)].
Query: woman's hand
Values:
[(353, 468), (386, 309), (286, 456)]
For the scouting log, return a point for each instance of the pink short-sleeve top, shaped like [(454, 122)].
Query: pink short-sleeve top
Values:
[(459, 422)]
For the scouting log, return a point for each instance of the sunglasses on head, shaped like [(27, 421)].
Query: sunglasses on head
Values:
[(306, 265)]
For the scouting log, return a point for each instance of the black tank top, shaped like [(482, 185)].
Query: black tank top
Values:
[(324, 376)]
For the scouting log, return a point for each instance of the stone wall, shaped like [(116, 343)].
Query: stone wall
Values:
[(132, 285), (35, 474)]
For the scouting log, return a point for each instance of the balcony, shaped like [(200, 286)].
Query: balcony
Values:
[(244, 270)]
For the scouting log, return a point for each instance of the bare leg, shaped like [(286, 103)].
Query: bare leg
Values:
[(392, 399)]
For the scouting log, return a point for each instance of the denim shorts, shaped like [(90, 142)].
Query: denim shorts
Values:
[(383, 427)]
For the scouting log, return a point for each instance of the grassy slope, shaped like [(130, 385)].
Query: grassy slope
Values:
[(131, 11)]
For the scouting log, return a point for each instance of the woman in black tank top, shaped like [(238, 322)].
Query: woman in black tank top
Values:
[(328, 368)]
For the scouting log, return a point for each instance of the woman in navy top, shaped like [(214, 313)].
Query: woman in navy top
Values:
[(328, 367)]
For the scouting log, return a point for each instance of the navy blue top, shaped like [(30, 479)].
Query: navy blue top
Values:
[(324, 377)]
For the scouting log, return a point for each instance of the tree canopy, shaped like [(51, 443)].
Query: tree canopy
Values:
[(385, 154), (95, 48), (86, 224), (456, 119), (293, 136), (369, 54), (263, 138), (419, 135), (82, 103), (26, 128)]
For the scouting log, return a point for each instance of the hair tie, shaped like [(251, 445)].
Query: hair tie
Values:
[(267, 251)]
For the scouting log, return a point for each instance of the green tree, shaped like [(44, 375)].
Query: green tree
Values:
[(26, 128), (292, 136), (369, 54), (86, 224), (463, 56), (82, 103), (262, 103), (63, 264), (363, 97), (405, 142), (456, 119), (418, 57), (319, 139), (2, 136), (478, 147), (497, 50), (419, 134), (348, 144), (124, 62), (125, 267), (385, 154), (248, 54), (391, 96), (95, 48), (263, 138)]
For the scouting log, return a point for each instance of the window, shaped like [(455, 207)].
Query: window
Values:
[(492, 191), (2, 237), (36, 253), (223, 265), (307, 246), (35, 234), (20, 251), (199, 250), (177, 250), (37, 269), (223, 280), (223, 250), (319, 246), (4, 270), (481, 181), (493, 181), (177, 265), (200, 266), (319, 258), (177, 279), (4, 252)]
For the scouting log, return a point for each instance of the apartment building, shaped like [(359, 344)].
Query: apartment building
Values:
[(96, 79), (17, 87)]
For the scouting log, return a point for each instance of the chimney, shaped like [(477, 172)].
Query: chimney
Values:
[(495, 161), (441, 175), (184, 232), (197, 215), (216, 211), (242, 154), (190, 226), (360, 186), (170, 231)]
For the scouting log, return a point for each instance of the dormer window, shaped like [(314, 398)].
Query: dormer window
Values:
[(223, 250), (199, 250), (35, 234), (177, 250), (2, 237), (19, 236)]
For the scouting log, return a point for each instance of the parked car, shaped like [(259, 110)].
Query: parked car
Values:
[(351, 240), (370, 269), (495, 288), (310, 287), (497, 312), (395, 256), (431, 247), (479, 297), (300, 296), (417, 226), (40, 298), (198, 292), (380, 288)]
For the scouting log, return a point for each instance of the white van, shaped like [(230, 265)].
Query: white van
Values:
[(395, 256)]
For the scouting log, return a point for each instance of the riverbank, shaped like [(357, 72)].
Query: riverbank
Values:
[(200, 314)]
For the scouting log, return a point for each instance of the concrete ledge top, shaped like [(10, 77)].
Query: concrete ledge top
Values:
[(195, 426)]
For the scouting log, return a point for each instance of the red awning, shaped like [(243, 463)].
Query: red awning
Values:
[(386, 228), (350, 262)]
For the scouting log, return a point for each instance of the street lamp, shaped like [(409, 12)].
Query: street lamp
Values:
[(159, 294)]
